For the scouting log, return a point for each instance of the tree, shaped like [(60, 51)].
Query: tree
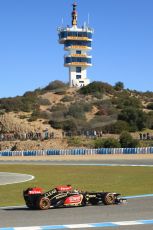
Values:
[(135, 117), (149, 122), (127, 141), (119, 86), (118, 127), (70, 125), (111, 143), (66, 125)]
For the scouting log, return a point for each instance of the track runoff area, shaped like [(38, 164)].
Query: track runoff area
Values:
[(133, 224)]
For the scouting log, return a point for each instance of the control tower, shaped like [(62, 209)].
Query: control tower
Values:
[(77, 41)]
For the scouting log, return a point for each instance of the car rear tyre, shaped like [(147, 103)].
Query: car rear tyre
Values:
[(109, 199), (43, 203)]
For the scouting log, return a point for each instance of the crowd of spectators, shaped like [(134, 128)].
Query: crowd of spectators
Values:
[(86, 133), (12, 136), (26, 136), (145, 136)]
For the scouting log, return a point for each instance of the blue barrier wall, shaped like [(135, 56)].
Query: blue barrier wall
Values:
[(146, 150)]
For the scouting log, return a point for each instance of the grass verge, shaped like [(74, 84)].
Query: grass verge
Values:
[(125, 180)]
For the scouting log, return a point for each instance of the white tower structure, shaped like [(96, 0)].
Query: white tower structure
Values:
[(77, 41)]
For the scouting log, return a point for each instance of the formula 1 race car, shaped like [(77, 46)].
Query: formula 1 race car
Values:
[(66, 196)]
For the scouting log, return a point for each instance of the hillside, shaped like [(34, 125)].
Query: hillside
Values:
[(54, 116)]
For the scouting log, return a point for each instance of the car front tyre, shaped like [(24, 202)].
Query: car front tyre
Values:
[(109, 199)]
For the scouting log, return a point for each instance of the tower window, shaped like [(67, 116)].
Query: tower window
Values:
[(78, 76), (78, 69), (78, 51)]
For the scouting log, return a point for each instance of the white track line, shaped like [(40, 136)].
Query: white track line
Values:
[(31, 177)]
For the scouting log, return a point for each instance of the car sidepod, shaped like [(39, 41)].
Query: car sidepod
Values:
[(74, 200)]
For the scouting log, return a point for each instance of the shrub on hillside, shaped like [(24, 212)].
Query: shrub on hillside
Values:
[(43, 101), (98, 95), (45, 115), (56, 124), (102, 112), (58, 115), (74, 141), (107, 143), (97, 87), (35, 115), (54, 85), (67, 98), (11, 104), (127, 141), (32, 94), (150, 106), (123, 101), (77, 110), (105, 107), (20, 103), (148, 94), (119, 86), (58, 112), (58, 107)]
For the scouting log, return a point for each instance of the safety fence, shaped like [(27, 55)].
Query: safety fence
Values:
[(147, 150)]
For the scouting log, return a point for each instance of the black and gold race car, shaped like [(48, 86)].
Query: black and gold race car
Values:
[(66, 196)]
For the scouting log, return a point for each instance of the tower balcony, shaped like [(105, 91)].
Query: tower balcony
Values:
[(74, 36), (77, 47), (70, 38), (78, 55), (82, 64), (72, 43), (77, 61)]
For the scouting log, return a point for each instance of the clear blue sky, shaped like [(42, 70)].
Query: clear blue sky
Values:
[(30, 56)]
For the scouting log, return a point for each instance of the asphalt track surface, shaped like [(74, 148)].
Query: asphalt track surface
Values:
[(120, 162), (136, 209)]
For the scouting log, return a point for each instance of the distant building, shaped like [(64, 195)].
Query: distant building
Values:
[(77, 41)]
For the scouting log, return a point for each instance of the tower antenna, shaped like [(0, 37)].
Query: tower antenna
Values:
[(74, 14), (62, 21), (88, 18)]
